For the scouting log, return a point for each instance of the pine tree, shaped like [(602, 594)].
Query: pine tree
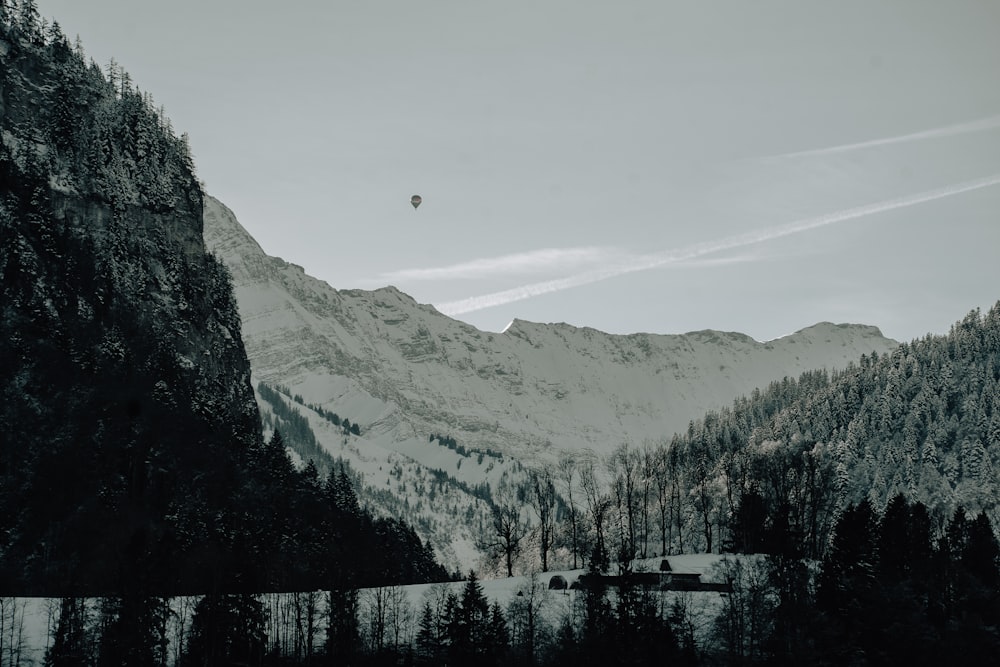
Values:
[(343, 642), (847, 585), (895, 541), (71, 646), (340, 492), (226, 629), (469, 631), (747, 526), (428, 645), (981, 556), (133, 630), (276, 463), (597, 639), (966, 597), (29, 21), (497, 638)]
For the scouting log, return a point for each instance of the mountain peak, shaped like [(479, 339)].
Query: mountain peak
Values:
[(395, 292), (828, 330), (518, 326)]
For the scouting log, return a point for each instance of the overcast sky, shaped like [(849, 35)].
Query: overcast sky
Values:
[(643, 165)]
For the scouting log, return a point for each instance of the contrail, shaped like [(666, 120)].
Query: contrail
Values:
[(534, 261), (646, 262), (961, 128)]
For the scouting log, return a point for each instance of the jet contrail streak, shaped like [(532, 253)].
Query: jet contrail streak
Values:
[(646, 262), (545, 259), (962, 128)]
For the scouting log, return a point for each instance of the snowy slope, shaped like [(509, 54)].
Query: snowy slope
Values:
[(403, 371)]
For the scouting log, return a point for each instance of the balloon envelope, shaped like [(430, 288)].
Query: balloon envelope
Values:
[(415, 200)]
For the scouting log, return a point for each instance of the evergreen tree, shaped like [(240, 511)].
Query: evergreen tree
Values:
[(848, 591), (226, 630), (276, 463), (343, 638), (793, 617), (747, 532), (470, 630), (133, 630), (497, 636), (29, 21), (72, 645), (428, 645), (597, 639), (895, 541), (905, 562), (981, 555)]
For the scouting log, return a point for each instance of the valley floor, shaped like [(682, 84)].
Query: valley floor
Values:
[(28, 624)]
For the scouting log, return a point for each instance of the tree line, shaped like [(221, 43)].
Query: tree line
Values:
[(923, 421), (890, 591), (450, 624), (270, 394)]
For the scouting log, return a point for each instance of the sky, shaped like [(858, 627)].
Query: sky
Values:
[(635, 166)]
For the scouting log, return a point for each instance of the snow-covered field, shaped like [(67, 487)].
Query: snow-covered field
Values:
[(559, 604), (29, 623)]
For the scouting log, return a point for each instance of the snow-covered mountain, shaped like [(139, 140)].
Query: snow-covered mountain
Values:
[(403, 371)]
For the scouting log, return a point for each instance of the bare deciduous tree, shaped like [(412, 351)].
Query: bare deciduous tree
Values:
[(658, 468), (400, 618), (306, 607), (543, 499), (747, 610), (12, 629), (598, 504), (623, 466), (567, 473), (502, 538), (376, 610)]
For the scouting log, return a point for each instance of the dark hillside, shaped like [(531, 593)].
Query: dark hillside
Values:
[(130, 450), (121, 364), (923, 421)]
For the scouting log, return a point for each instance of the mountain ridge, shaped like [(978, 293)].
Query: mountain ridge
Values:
[(381, 353)]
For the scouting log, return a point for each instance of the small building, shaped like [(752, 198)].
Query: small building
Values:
[(681, 581), (676, 573)]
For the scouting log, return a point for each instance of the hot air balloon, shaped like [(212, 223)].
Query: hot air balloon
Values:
[(415, 200)]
